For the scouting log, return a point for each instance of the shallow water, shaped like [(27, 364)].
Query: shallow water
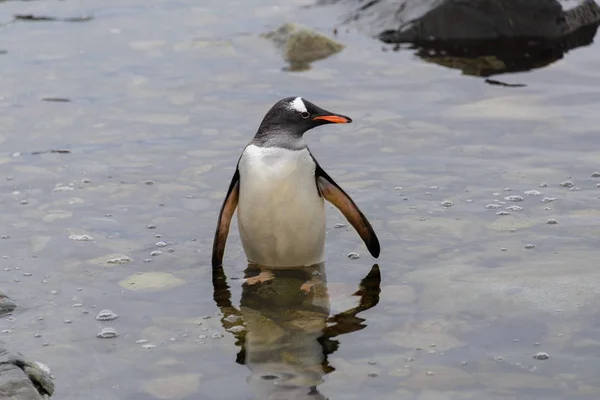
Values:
[(163, 97)]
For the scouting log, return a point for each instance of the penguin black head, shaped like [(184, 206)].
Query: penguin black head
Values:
[(293, 116)]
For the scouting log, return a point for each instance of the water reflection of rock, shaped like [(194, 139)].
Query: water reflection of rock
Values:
[(283, 327), (480, 37)]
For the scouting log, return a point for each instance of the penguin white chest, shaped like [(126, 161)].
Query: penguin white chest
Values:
[(281, 216)]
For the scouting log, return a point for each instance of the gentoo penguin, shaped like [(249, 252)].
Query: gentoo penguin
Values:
[(278, 188)]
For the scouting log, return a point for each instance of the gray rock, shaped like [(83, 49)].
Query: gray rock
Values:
[(7, 305), (22, 379)]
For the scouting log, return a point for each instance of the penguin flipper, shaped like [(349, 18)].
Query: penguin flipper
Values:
[(227, 209), (336, 196)]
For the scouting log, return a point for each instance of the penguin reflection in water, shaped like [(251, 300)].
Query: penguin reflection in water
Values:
[(278, 188), (284, 331)]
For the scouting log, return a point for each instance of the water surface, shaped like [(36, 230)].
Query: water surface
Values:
[(163, 95)]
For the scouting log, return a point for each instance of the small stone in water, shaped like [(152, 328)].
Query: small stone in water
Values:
[(543, 185), (6, 331), (147, 260), (567, 184), (77, 305), (236, 329), (514, 208), (26, 273), (339, 225), (217, 335), (530, 246), (37, 335), (493, 205), (353, 256), (86, 180), (156, 253), (552, 221), (502, 213), (373, 374), (81, 238), (596, 174), (24, 202), (447, 203), (548, 199), (541, 356), (106, 315), (507, 189), (151, 227), (67, 321), (532, 192), (141, 341), (429, 373), (160, 244), (149, 182), (107, 333), (148, 346), (514, 198), (5, 237), (120, 260)]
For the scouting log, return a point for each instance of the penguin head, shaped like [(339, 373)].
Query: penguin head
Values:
[(295, 115)]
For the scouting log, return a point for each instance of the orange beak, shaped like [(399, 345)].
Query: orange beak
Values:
[(336, 119)]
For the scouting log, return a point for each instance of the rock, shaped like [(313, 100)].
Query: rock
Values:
[(480, 37), (22, 379), (7, 305), (301, 45)]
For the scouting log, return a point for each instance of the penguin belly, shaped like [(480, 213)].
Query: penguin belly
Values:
[(281, 216)]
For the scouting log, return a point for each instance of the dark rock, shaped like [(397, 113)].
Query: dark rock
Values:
[(7, 305), (480, 37), (22, 379)]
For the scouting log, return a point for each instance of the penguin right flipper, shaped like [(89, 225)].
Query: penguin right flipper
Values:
[(229, 205), (340, 199)]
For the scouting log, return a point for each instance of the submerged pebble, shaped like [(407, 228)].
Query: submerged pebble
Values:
[(156, 253), (493, 205), (119, 260), (514, 208), (532, 192), (447, 203), (530, 246), (548, 199), (148, 346), (514, 198), (567, 184), (503, 213), (541, 356), (339, 225), (552, 221), (596, 174), (353, 256), (81, 238), (106, 315), (160, 244), (107, 333)]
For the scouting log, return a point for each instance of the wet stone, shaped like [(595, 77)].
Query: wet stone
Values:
[(596, 174), (514, 208), (493, 205), (514, 198), (548, 199), (447, 203), (552, 221), (532, 192), (106, 315), (530, 246), (353, 256), (503, 213), (81, 238), (567, 184), (541, 356), (107, 333)]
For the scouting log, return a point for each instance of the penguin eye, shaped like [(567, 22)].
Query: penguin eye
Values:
[(305, 114)]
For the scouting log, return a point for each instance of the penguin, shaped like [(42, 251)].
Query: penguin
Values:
[(279, 190)]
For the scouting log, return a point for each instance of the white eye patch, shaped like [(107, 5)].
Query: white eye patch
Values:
[(298, 105)]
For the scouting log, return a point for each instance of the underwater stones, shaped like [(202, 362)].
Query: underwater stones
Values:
[(301, 45)]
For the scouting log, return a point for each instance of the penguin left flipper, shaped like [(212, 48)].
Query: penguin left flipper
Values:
[(229, 205), (340, 199)]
